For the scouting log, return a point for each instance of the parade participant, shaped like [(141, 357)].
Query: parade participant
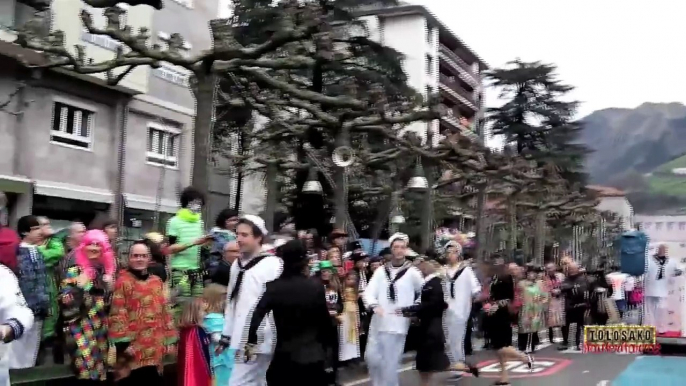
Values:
[(462, 287), (622, 284), (52, 251), (576, 292), (361, 270), (498, 319), (84, 293), (303, 337), (392, 287), (656, 288), (33, 282), (195, 367), (338, 238), (432, 355), (249, 274), (214, 297), (222, 233), (185, 234), (15, 319), (222, 274), (9, 239), (349, 331), (533, 300), (328, 277), (140, 326), (375, 262), (555, 315)]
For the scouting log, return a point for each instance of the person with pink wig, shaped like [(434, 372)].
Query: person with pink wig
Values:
[(84, 294)]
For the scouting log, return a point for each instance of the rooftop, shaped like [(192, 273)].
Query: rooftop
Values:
[(606, 191), (444, 32)]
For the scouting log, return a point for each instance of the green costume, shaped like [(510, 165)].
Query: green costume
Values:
[(53, 252), (186, 274)]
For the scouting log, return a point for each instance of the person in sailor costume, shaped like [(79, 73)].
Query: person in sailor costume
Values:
[(461, 288), (432, 356), (249, 275), (394, 286), (660, 270)]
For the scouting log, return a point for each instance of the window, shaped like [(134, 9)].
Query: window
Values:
[(682, 226), (429, 65), (658, 226), (14, 14), (163, 146), (71, 125), (670, 226), (648, 225), (185, 3), (171, 74), (429, 34)]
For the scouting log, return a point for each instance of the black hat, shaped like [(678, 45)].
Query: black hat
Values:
[(385, 251), (375, 259), (353, 245), (293, 253), (357, 256)]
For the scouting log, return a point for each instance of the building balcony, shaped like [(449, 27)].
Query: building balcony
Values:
[(458, 123), (452, 88), (460, 65)]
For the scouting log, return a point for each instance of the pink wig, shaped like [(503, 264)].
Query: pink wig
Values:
[(106, 258)]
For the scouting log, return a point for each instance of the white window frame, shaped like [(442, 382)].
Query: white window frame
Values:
[(184, 3), (172, 132), (91, 130)]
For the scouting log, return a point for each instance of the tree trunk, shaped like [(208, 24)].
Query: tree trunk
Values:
[(539, 238), (511, 228), (272, 195), (480, 225), (204, 92), (427, 211), (340, 198)]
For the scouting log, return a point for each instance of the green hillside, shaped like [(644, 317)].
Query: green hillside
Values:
[(663, 181)]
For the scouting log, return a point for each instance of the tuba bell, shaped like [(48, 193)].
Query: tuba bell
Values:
[(343, 156)]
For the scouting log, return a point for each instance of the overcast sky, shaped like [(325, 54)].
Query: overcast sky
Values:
[(616, 53)]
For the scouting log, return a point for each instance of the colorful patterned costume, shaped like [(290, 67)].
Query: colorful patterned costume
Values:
[(86, 324), (555, 315), (139, 316), (533, 304)]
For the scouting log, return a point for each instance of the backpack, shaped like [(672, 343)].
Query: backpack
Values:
[(632, 249)]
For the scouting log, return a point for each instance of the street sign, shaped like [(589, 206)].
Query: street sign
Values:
[(519, 369)]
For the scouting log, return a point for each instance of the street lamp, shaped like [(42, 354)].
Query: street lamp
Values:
[(418, 181), (312, 185)]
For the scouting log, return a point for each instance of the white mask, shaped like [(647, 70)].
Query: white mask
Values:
[(195, 206)]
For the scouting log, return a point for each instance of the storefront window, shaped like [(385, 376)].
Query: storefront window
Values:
[(139, 222)]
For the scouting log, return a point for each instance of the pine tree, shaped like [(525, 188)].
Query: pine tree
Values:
[(536, 119)]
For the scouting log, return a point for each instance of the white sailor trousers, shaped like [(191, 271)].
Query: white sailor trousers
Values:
[(253, 373), (383, 355)]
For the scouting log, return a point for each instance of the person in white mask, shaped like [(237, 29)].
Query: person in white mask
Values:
[(15, 318), (392, 287)]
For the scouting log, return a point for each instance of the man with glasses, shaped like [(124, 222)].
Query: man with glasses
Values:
[(222, 272)]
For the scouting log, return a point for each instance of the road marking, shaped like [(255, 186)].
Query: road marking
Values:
[(367, 379), (604, 383)]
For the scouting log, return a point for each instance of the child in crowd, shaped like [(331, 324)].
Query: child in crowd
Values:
[(194, 346), (214, 297)]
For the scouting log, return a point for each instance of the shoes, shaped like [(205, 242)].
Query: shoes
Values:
[(530, 362), (473, 370)]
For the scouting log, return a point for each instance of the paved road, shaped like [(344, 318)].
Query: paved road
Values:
[(560, 369)]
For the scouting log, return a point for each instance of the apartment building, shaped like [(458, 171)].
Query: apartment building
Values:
[(71, 147), (436, 61)]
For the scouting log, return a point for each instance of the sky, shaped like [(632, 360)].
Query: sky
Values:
[(616, 53)]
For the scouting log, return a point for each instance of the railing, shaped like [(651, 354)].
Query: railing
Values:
[(452, 84), (453, 118), (459, 61)]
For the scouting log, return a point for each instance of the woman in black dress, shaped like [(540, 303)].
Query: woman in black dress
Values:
[(499, 317), (431, 351)]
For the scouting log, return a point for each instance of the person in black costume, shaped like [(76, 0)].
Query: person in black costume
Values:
[(576, 290), (302, 322), (431, 351), (498, 320)]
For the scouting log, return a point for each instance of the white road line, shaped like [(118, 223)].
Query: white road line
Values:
[(367, 379), (604, 383)]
